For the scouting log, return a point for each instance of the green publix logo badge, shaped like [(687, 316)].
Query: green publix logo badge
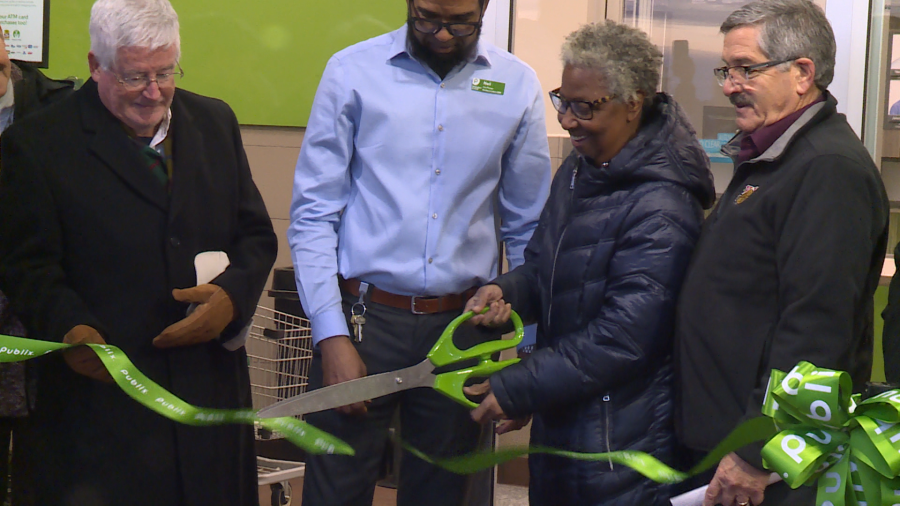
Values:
[(491, 87)]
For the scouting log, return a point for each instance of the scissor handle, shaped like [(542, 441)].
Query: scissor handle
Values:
[(451, 383), (445, 352)]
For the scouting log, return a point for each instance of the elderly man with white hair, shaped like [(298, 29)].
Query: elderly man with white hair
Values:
[(108, 197)]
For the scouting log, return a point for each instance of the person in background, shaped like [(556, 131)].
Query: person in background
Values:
[(601, 276), (23, 90), (789, 259), (890, 336), (107, 198), (895, 109), (425, 148)]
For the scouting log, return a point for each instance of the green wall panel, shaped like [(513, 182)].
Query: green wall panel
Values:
[(264, 58), (881, 297)]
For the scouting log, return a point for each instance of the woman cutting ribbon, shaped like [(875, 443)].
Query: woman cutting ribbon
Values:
[(601, 276)]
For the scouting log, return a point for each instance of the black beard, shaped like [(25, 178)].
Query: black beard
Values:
[(441, 64)]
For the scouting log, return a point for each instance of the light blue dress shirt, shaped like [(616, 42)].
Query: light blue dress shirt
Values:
[(402, 176)]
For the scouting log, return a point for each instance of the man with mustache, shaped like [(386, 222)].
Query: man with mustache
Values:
[(425, 148), (788, 261), (107, 199)]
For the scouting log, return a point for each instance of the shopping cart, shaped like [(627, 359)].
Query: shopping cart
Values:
[(279, 351)]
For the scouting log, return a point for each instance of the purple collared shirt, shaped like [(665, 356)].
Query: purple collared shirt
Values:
[(757, 142)]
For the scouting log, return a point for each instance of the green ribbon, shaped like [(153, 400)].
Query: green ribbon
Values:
[(756, 429), (850, 449), (140, 388), (817, 432)]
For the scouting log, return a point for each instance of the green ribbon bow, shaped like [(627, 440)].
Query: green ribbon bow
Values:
[(146, 392), (851, 449)]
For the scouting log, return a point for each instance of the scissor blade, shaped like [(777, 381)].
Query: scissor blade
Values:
[(349, 392)]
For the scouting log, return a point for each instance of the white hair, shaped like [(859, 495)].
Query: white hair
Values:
[(624, 56), (152, 24)]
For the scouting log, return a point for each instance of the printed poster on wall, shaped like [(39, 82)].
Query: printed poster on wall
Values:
[(24, 24)]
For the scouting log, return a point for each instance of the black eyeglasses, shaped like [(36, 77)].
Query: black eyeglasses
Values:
[(742, 73), (432, 27), (580, 108)]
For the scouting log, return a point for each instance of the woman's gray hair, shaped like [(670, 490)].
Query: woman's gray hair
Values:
[(152, 24), (790, 29), (626, 59)]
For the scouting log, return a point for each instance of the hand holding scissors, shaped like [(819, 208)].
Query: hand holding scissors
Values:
[(444, 355)]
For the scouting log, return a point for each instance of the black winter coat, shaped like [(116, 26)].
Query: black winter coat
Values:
[(89, 236), (601, 276), (32, 90), (784, 271)]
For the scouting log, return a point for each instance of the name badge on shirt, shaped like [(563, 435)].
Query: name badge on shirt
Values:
[(485, 86)]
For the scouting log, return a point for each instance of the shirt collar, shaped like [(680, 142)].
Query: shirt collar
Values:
[(163, 130), (8, 99), (744, 146), (398, 48), (764, 137)]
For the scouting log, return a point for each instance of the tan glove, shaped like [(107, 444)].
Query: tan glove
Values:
[(214, 312), (82, 359)]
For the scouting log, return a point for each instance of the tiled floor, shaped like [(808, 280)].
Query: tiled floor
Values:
[(506, 495)]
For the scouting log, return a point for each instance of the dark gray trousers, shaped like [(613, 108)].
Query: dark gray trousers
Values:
[(393, 339)]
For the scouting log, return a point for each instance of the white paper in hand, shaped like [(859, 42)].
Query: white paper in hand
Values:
[(208, 265), (695, 497)]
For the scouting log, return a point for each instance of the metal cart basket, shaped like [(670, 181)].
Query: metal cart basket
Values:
[(279, 351)]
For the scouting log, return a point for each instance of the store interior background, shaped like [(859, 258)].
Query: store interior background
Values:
[(686, 31)]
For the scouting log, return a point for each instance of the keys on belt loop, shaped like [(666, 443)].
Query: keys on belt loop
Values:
[(358, 312)]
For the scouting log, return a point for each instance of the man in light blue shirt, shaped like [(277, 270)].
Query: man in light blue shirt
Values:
[(421, 146)]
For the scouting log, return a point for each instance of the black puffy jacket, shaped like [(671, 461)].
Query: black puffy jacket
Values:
[(601, 276)]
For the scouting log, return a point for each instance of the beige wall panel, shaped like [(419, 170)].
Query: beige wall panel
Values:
[(272, 136), (541, 26), (273, 172)]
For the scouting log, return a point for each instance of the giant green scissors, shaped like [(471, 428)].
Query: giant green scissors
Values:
[(444, 353)]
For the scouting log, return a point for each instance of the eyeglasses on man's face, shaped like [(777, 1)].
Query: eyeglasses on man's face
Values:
[(743, 73), (138, 81), (581, 109), (432, 27)]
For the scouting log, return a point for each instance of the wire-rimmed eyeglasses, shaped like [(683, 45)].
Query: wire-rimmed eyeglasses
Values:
[(742, 73), (140, 81)]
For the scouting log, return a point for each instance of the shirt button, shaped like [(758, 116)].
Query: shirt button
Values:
[(437, 171), (434, 216), (174, 242), (440, 128), (443, 85), (431, 260)]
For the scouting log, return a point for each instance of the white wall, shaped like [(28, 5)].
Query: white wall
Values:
[(496, 23), (850, 21)]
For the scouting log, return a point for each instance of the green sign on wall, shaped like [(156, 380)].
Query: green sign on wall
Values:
[(263, 58)]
